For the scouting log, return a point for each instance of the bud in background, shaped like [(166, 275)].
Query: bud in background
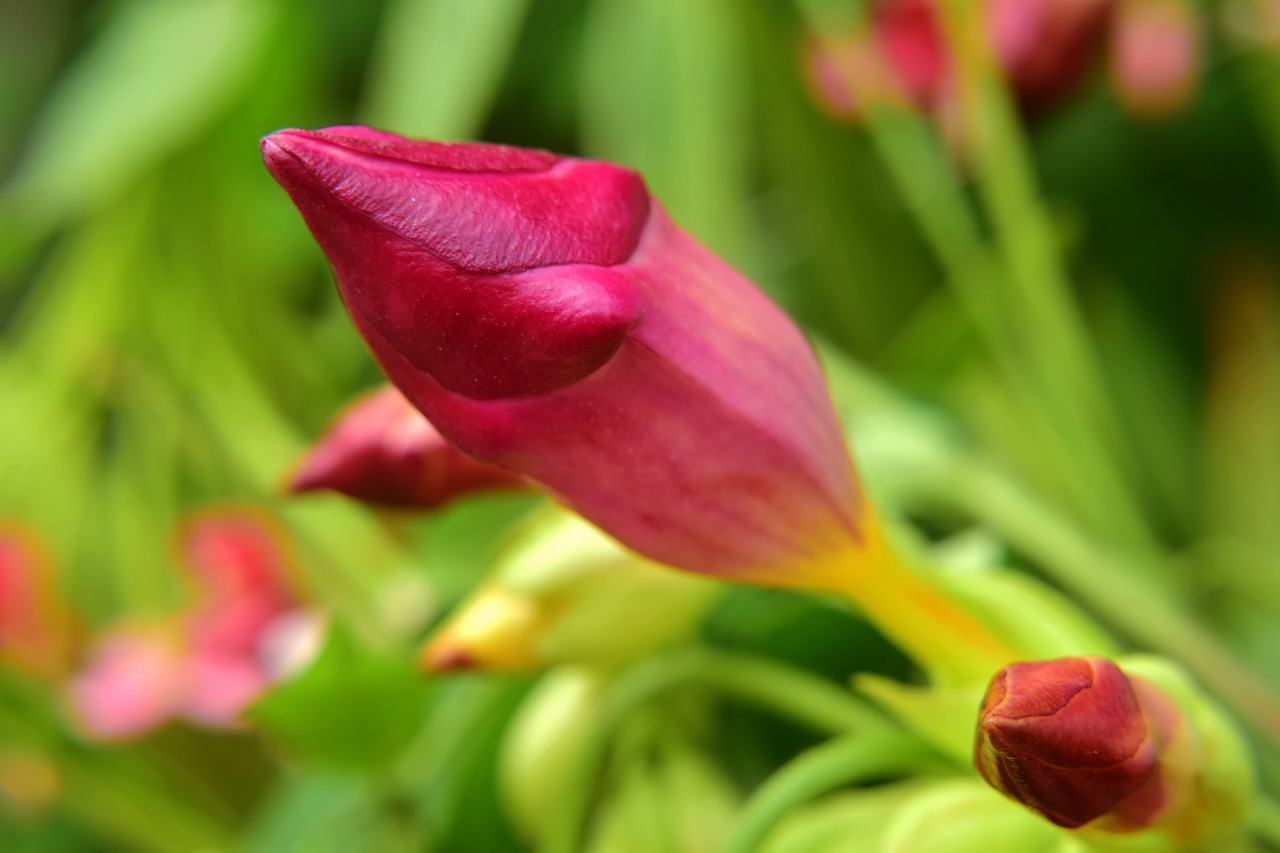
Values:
[(207, 662), (381, 450), (1046, 46), (1088, 745), (547, 315), (563, 592), (898, 57), (1155, 55), (35, 628)]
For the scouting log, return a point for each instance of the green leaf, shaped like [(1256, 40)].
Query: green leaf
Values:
[(320, 814), (354, 708), (664, 92), (438, 64), (153, 78)]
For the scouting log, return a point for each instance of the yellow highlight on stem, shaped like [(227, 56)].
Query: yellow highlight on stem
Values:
[(941, 636)]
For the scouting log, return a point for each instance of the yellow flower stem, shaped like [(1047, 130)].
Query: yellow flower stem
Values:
[(947, 641)]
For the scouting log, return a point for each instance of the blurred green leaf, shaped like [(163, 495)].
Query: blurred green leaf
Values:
[(664, 91), (317, 813), (353, 708), (438, 63), (151, 80)]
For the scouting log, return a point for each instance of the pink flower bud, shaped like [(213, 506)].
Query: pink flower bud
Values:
[(900, 57), (1155, 55), (383, 451), (1076, 739), (546, 315), (1045, 46)]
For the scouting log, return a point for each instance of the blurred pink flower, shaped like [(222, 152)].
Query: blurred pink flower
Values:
[(1045, 47), (207, 662), (1155, 55)]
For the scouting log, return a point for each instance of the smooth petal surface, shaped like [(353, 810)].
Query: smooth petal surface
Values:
[(632, 373), (383, 451)]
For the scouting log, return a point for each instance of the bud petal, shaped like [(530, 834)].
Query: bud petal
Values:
[(383, 451), (546, 315), (1073, 739)]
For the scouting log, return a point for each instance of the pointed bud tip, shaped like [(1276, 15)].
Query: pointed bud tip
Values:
[(445, 658)]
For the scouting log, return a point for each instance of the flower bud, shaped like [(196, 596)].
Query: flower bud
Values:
[(546, 315), (1089, 745), (1155, 55), (1045, 46), (382, 450), (562, 592), (1071, 739), (899, 57)]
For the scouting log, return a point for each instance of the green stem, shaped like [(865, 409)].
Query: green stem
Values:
[(1104, 580), (1018, 297), (107, 790), (847, 760), (1265, 819), (788, 691), (1051, 334)]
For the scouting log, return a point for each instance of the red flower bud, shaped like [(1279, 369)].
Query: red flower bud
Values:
[(1075, 739), (546, 315), (383, 451)]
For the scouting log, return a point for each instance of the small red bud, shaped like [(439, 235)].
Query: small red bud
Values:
[(1073, 739)]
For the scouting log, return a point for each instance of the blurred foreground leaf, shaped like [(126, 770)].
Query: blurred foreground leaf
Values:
[(353, 708)]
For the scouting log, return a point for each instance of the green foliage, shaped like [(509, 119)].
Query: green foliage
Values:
[(352, 708), (1057, 337)]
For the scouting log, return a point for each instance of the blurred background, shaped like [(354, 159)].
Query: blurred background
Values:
[(1044, 281)]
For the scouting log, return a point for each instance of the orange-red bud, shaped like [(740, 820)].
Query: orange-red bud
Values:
[(1075, 739)]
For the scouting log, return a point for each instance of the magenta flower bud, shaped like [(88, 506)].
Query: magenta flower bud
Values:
[(381, 450), (546, 315), (1075, 739)]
